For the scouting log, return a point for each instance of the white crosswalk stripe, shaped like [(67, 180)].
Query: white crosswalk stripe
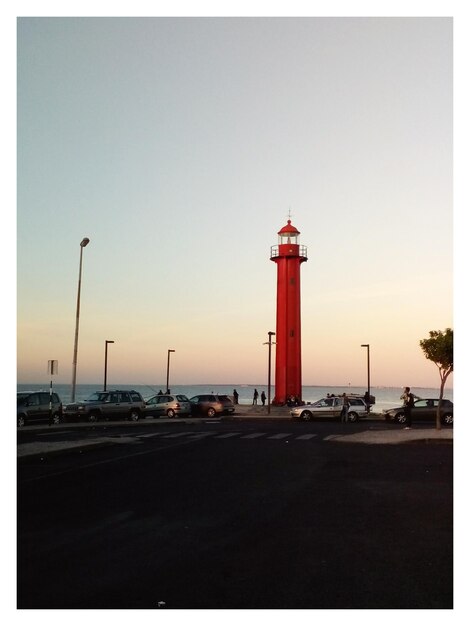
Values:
[(228, 435)]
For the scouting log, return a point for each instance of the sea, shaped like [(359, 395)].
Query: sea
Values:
[(385, 397)]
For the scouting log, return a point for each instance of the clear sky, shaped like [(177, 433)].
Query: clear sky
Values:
[(179, 146)]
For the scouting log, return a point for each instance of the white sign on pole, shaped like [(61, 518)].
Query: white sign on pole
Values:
[(53, 367)]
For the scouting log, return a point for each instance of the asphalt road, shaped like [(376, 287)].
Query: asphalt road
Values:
[(236, 515)]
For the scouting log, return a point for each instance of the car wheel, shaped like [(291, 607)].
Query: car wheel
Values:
[(210, 412), (171, 413), (93, 417), (134, 415), (353, 417), (21, 421), (448, 419), (400, 418), (56, 418), (306, 416)]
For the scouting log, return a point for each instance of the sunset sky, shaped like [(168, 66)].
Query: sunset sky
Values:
[(180, 145)]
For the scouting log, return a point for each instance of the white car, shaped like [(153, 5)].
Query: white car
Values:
[(330, 407)]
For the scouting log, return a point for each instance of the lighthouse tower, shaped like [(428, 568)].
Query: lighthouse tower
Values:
[(288, 255)]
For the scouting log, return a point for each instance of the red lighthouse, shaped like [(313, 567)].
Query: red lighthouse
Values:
[(288, 255)]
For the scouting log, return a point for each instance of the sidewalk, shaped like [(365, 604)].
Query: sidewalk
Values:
[(373, 431)]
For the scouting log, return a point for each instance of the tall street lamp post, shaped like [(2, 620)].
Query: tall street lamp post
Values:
[(106, 361), (84, 242), (366, 345), (269, 343), (168, 372)]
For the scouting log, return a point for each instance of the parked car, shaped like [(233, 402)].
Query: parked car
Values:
[(330, 408), (32, 407), (110, 405), (210, 405), (169, 405), (424, 409)]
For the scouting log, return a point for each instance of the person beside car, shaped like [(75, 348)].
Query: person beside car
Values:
[(408, 403), (345, 409)]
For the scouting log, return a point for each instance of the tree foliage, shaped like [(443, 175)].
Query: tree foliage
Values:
[(439, 348)]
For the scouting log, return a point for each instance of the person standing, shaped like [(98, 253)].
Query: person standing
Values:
[(235, 396), (255, 396), (263, 398), (345, 409), (408, 403)]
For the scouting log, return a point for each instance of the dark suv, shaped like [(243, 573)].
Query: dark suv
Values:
[(32, 407), (109, 405), (211, 405)]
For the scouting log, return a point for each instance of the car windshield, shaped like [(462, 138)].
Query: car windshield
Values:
[(98, 396)]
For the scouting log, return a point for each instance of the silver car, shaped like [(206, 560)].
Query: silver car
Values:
[(170, 405), (330, 408)]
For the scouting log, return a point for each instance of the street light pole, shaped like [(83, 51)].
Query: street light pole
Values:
[(366, 345), (270, 336), (84, 242), (106, 361), (168, 372)]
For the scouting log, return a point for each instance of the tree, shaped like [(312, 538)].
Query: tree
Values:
[(439, 349)]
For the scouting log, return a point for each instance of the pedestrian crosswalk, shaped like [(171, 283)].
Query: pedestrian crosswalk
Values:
[(217, 435)]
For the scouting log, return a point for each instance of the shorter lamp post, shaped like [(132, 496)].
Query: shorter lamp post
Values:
[(366, 345), (106, 361), (168, 372), (269, 343)]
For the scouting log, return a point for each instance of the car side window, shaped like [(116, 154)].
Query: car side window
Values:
[(152, 401), (163, 399), (419, 404), (113, 397), (124, 397), (136, 397)]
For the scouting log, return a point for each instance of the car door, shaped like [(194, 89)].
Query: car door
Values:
[(325, 407), (423, 409), (125, 404), (33, 407), (45, 400), (151, 406), (163, 404)]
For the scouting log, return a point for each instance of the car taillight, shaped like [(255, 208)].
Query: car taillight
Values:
[(177, 406)]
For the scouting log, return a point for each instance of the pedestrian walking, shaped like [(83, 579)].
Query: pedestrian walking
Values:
[(263, 398), (255, 396), (235, 396), (408, 403), (345, 409)]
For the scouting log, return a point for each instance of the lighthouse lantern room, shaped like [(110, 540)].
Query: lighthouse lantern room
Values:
[(288, 255)]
